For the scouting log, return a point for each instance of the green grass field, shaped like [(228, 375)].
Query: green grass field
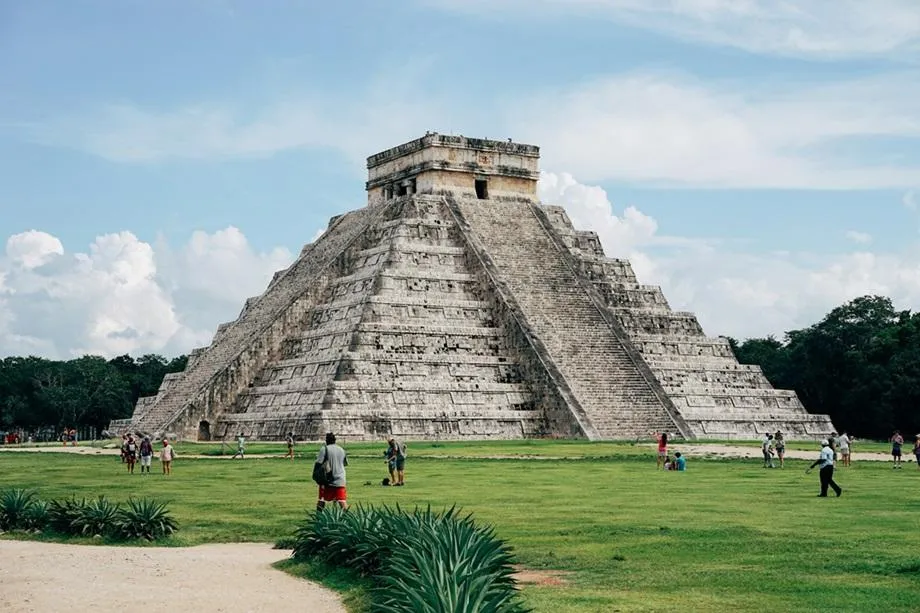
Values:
[(726, 535)]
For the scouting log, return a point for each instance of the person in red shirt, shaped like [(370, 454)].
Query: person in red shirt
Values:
[(662, 438)]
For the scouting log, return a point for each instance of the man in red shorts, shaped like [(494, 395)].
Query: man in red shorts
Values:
[(335, 490)]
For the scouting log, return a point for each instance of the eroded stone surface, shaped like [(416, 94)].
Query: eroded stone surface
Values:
[(456, 306)]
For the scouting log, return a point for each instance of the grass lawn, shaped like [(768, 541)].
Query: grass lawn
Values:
[(726, 535)]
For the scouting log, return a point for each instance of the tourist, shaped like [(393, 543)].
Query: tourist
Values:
[(335, 491), (167, 455), (680, 462), (668, 464), (662, 439), (146, 453), (240, 447), (290, 445), (124, 448), (766, 446), (832, 439), (826, 474), (844, 443), (73, 437), (896, 441), (779, 444), (400, 457), (131, 453), (390, 455), (917, 450)]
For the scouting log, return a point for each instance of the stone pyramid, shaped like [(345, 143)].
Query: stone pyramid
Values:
[(456, 306)]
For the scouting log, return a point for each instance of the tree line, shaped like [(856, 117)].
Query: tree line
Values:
[(86, 391), (860, 365)]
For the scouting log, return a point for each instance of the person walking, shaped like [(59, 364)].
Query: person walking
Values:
[(826, 473), (167, 454), (290, 446), (334, 490), (240, 447), (896, 441), (146, 451), (766, 446), (779, 444)]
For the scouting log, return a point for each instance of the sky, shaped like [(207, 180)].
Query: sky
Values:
[(758, 159)]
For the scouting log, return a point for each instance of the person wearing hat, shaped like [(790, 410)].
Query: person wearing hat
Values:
[(826, 474)]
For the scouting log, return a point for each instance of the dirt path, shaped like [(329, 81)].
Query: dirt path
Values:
[(236, 578)]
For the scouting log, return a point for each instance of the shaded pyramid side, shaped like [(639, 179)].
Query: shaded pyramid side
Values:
[(716, 395)]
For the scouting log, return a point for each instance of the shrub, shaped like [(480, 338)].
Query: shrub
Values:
[(15, 508), (36, 516), (145, 518), (422, 561), (99, 517), (64, 515)]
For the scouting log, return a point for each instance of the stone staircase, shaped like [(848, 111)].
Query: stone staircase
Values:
[(403, 340), (615, 396)]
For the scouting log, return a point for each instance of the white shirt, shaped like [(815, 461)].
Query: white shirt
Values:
[(843, 441), (827, 456)]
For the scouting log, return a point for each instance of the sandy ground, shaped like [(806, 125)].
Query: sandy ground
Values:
[(48, 577)]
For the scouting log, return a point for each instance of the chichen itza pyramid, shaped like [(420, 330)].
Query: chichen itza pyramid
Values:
[(456, 306)]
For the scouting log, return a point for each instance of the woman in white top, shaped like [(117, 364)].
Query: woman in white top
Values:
[(166, 456)]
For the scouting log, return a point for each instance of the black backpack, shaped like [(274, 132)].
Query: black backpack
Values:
[(322, 471)]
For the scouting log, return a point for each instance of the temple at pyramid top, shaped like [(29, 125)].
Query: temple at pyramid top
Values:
[(458, 306), (467, 167)]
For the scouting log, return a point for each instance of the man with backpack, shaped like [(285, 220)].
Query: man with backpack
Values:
[(146, 451), (329, 473)]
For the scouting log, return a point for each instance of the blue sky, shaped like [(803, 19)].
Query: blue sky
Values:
[(759, 160)]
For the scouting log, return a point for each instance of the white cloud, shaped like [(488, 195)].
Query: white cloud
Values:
[(672, 129), (808, 28), (735, 293), (859, 237), (124, 295), (652, 128)]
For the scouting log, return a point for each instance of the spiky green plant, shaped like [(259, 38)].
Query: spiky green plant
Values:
[(64, 515), (97, 517), (15, 505), (36, 516), (423, 560), (145, 518)]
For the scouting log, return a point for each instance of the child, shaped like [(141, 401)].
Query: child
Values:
[(668, 464), (290, 445), (680, 461)]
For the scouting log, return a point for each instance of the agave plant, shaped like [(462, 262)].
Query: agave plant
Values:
[(15, 505), (97, 517), (145, 518), (423, 561), (64, 515), (36, 516)]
